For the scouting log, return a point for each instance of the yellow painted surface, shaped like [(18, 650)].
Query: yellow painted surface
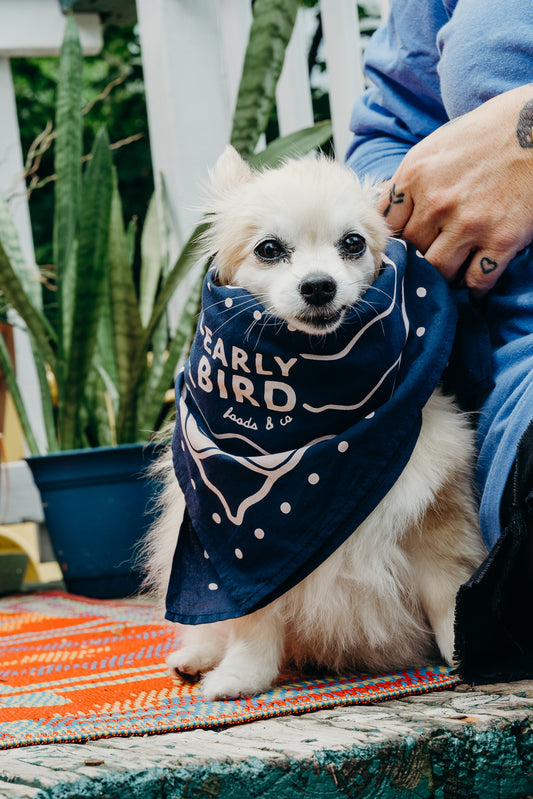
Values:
[(24, 537), (13, 438)]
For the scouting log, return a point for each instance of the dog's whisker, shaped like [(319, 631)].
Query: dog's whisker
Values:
[(248, 332), (380, 291), (264, 324), (369, 304), (239, 302), (240, 311), (366, 286)]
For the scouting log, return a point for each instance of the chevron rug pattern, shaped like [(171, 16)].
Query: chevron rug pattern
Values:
[(73, 670)]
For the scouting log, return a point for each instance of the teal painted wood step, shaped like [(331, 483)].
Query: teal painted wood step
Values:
[(476, 744)]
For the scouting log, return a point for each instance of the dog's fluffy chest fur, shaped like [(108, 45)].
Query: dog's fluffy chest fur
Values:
[(385, 597)]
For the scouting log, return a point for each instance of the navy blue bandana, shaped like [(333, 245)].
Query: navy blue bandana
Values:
[(285, 442)]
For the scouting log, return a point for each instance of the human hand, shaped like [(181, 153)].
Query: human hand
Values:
[(464, 195)]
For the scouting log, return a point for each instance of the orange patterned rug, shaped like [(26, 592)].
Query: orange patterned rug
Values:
[(74, 669)]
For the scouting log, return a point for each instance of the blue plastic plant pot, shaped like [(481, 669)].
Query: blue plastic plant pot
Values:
[(98, 505)]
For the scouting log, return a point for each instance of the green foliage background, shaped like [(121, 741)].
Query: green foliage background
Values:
[(99, 339), (123, 112)]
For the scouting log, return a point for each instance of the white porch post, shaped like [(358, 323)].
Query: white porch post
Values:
[(12, 187), (342, 42), (192, 52), (293, 92)]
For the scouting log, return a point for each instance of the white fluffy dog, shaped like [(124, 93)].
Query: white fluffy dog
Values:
[(385, 599)]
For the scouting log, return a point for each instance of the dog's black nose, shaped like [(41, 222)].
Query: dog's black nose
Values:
[(318, 289)]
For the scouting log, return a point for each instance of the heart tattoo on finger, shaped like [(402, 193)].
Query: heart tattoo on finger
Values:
[(487, 265)]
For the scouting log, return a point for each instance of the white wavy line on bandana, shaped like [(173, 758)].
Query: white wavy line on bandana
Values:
[(238, 436), (186, 375), (396, 364), (351, 344), (332, 407), (199, 453)]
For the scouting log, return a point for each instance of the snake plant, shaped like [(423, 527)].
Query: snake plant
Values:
[(107, 360)]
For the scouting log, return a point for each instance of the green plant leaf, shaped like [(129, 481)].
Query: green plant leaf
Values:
[(46, 399), (152, 393), (162, 374), (67, 187), (89, 282), (6, 367), (108, 384), (35, 321), (131, 237), (160, 338), (190, 255), (105, 334), (29, 276), (103, 407), (127, 327), (97, 415), (151, 262), (271, 30), (294, 145)]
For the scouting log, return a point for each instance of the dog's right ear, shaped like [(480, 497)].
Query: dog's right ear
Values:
[(230, 171)]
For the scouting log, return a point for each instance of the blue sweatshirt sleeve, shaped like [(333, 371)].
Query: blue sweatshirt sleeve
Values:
[(404, 103), (433, 61), (485, 49)]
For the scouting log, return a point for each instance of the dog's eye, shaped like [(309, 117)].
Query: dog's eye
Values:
[(270, 250), (352, 245)]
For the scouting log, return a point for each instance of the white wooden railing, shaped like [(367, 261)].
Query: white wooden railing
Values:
[(193, 51), (27, 28), (192, 59)]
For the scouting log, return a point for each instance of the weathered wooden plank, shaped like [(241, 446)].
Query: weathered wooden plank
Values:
[(463, 743), (15, 791)]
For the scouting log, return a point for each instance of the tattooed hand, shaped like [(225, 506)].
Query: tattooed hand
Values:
[(464, 195)]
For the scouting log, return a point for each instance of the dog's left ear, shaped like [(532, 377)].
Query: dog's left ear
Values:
[(230, 171)]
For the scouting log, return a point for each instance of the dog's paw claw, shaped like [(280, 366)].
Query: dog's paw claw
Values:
[(189, 663), (216, 686), (182, 666), (186, 676)]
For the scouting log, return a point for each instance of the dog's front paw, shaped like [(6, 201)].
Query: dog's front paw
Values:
[(225, 682), (191, 662)]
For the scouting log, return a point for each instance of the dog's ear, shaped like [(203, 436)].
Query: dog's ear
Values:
[(230, 171)]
